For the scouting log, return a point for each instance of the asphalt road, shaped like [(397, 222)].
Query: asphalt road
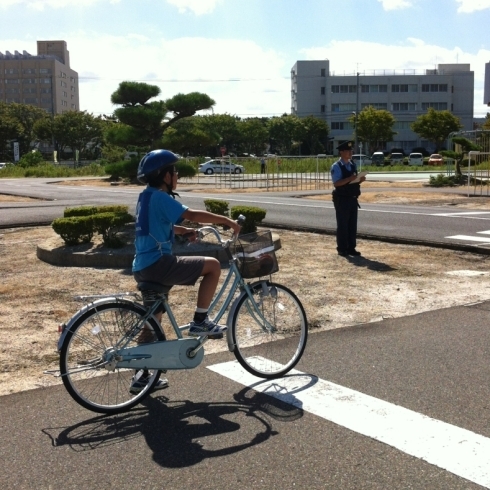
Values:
[(211, 432), (398, 404), (445, 226)]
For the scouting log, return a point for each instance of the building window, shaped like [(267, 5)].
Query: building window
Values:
[(64, 103), (46, 101), (343, 107), (30, 100), (374, 88), (29, 80), (45, 80), (376, 105), (11, 71), (11, 80), (322, 72), (28, 71), (45, 71), (29, 90), (322, 108), (344, 89), (45, 90), (434, 87), (65, 94), (402, 125), (404, 106), (438, 106), (322, 90), (11, 90), (62, 83)]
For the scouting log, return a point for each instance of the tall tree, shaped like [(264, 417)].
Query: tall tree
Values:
[(315, 135), (374, 127), (26, 116), (253, 135), (283, 131), (143, 121), (10, 128), (77, 130), (436, 126)]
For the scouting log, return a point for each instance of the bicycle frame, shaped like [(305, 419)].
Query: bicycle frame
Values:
[(180, 353)]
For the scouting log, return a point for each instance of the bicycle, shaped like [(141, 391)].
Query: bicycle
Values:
[(112, 339)]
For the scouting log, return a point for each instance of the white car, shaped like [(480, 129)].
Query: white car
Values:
[(220, 167), (3, 165), (365, 159), (415, 159)]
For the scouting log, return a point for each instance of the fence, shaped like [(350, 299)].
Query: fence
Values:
[(478, 162), (281, 173)]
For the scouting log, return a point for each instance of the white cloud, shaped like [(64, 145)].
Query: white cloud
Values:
[(199, 7), (395, 4), (255, 83), (468, 6), (42, 4)]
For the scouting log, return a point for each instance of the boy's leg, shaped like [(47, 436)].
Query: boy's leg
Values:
[(211, 273)]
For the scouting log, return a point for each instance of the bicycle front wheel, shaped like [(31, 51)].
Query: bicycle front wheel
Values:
[(88, 357), (269, 331)]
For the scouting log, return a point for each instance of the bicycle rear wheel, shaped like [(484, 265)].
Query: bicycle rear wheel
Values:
[(87, 357), (270, 336)]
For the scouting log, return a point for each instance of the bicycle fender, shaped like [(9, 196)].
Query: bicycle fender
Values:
[(65, 327), (229, 337)]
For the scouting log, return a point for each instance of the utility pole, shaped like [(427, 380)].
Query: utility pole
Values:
[(357, 113)]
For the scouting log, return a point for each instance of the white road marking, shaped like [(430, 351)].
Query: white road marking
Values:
[(451, 448), (469, 238)]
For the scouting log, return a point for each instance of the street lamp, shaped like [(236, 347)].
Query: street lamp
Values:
[(355, 130)]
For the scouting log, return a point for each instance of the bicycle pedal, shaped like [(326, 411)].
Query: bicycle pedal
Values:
[(216, 336)]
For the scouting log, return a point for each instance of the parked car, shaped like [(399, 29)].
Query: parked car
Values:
[(378, 158), (220, 167), (436, 159), (365, 159), (2, 165), (415, 159), (397, 158)]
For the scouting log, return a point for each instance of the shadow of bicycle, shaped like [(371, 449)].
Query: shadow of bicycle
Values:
[(183, 433)]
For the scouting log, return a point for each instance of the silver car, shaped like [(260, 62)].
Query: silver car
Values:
[(220, 167)]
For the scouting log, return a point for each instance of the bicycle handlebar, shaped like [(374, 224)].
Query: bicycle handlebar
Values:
[(217, 234)]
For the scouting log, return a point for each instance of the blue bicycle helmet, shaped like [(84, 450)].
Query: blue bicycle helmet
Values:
[(153, 163)]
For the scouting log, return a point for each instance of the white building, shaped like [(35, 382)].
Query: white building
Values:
[(316, 91)]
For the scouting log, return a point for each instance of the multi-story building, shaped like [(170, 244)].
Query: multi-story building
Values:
[(44, 80), (335, 98)]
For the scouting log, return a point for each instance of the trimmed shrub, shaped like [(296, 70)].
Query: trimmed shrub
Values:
[(109, 225), (90, 210), (253, 215), (74, 230), (217, 206), (185, 169)]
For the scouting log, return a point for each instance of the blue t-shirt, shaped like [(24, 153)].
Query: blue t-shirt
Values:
[(336, 172), (156, 215)]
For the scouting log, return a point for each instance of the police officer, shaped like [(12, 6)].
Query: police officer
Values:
[(344, 197)]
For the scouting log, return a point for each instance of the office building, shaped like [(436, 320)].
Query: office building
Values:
[(43, 80), (315, 90)]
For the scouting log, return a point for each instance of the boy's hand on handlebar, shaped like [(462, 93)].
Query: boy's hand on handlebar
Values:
[(190, 234), (235, 227)]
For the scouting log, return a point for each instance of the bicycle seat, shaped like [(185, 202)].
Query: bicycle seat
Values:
[(153, 286)]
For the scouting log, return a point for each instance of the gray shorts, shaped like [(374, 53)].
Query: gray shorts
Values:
[(171, 270)]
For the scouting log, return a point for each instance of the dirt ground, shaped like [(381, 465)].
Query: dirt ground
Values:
[(388, 281)]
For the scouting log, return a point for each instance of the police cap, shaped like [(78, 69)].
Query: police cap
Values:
[(346, 145)]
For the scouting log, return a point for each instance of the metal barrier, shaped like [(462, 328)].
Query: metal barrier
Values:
[(282, 173)]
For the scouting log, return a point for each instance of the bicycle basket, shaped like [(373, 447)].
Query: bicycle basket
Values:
[(256, 255)]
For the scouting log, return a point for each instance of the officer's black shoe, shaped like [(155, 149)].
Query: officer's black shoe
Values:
[(342, 253), (354, 253)]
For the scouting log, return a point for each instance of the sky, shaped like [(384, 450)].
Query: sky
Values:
[(240, 52)]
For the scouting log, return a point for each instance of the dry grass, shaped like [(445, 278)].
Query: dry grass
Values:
[(390, 281)]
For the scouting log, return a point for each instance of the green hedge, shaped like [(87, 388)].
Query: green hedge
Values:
[(253, 217), (80, 224)]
